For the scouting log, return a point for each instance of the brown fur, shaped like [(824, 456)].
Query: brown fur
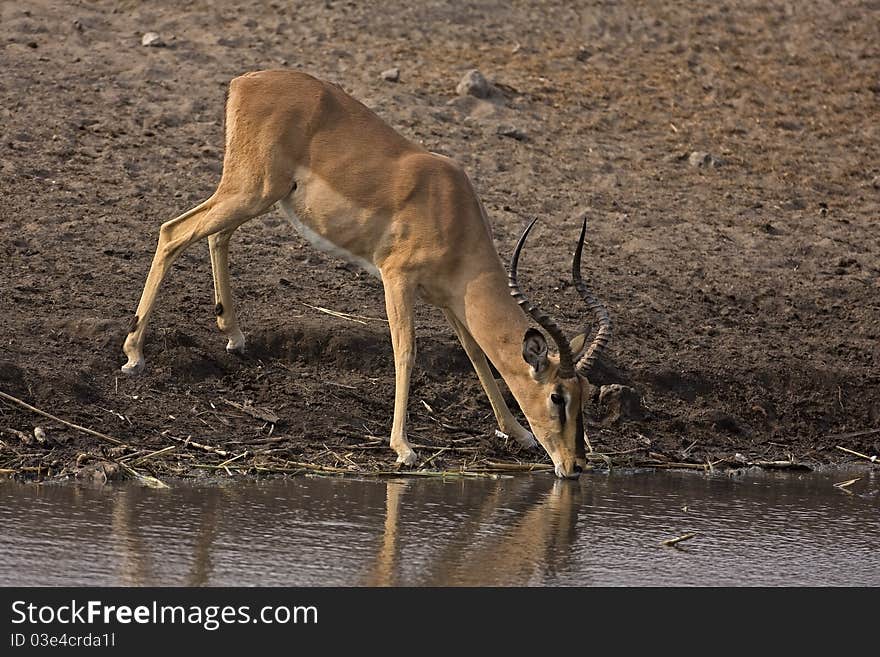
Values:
[(355, 182)]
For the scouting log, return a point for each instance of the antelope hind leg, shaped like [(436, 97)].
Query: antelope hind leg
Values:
[(224, 307)]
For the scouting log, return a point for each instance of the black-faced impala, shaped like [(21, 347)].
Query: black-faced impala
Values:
[(354, 187)]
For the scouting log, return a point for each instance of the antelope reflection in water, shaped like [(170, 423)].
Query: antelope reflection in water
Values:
[(517, 530), (522, 531), (135, 566)]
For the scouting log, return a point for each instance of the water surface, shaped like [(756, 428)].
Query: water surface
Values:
[(604, 530)]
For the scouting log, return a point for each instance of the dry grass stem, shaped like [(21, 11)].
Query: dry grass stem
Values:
[(360, 319), (672, 542), (872, 459), (158, 452), (844, 485)]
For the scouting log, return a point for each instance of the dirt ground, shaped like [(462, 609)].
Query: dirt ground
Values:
[(743, 281)]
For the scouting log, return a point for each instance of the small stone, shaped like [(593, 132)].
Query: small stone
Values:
[(152, 40), (793, 204), (512, 132), (391, 75), (701, 159), (40, 435), (99, 473), (473, 83), (876, 182), (620, 403)]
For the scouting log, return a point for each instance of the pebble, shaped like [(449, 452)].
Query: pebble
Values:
[(474, 83), (152, 40), (702, 159), (793, 204), (876, 182), (620, 403), (392, 74), (512, 132)]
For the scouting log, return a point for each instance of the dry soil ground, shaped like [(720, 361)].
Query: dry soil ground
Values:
[(743, 283)]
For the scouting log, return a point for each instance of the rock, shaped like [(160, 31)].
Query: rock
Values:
[(474, 84), (620, 403), (391, 75), (152, 40), (511, 131), (876, 182), (99, 473), (703, 160)]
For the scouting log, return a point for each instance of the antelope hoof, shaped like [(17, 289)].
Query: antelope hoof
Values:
[(523, 437), (133, 367), (235, 345), (526, 439), (408, 458)]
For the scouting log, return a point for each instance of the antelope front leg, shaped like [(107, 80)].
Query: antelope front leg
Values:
[(506, 421), (399, 299), (224, 308)]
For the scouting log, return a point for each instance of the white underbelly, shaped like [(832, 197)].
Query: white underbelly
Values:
[(323, 244)]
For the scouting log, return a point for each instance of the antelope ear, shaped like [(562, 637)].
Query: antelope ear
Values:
[(534, 351), (577, 344)]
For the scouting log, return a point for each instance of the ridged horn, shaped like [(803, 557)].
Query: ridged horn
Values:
[(591, 355), (566, 360)]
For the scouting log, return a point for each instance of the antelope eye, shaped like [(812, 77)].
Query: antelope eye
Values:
[(557, 399)]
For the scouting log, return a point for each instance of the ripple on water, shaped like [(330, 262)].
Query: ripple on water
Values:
[(752, 530)]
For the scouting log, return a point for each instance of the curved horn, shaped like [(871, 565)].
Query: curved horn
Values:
[(566, 360), (588, 360)]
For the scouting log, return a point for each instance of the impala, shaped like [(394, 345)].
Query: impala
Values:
[(357, 189)]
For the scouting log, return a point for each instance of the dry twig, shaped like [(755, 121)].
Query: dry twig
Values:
[(352, 318), (672, 542), (872, 459), (97, 434)]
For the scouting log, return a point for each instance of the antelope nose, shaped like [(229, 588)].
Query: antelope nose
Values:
[(571, 474)]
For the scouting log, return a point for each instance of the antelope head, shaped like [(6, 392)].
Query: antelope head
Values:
[(554, 404)]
